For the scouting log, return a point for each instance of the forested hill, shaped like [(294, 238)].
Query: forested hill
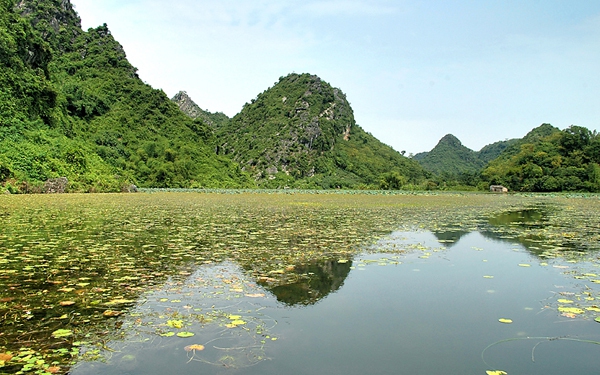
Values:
[(301, 133), (451, 157), (72, 105), (549, 159), (546, 159), (493, 150)]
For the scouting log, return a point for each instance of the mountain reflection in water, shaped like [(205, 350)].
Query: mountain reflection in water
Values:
[(316, 280)]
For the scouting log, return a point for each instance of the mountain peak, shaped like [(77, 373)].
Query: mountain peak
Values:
[(450, 156), (193, 110), (187, 105), (300, 117), (450, 140), (56, 20)]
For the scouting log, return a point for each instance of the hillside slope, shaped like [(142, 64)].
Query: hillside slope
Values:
[(76, 108), (493, 150), (451, 158)]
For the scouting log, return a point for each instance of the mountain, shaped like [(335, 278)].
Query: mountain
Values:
[(26, 93), (301, 133), (549, 159), (71, 105), (187, 106), (451, 157)]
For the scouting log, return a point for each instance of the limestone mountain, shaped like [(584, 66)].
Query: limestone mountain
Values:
[(187, 106), (301, 133), (71, 105), (450, 156)]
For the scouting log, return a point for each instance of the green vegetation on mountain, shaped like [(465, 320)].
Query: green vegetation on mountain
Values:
[(72, 105), (548, 159), (451, 157), (493, 150), (301, 133), (455, 166), (26, 94), (545, 160)]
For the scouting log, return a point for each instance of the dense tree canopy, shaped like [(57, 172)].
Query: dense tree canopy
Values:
[(72, 105), (548, 159), (451, 157)]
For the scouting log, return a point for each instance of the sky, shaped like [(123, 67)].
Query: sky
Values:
[(412, 70)]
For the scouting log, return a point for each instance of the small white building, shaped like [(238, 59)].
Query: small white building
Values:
[(498, 189)]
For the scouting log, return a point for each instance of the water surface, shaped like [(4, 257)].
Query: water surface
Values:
[(435, 310), (298, 283)]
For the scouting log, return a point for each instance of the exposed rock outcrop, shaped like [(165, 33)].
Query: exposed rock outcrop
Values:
[(187, 106), (56, 185)]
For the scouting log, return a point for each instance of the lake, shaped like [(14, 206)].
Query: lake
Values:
[(299, 283)]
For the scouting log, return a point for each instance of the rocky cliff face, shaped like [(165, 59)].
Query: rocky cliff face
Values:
[(190, 108), (56, 20), (187, 105), (301, 133)]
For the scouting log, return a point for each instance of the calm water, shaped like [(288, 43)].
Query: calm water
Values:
[(433, 310), (299, 284)]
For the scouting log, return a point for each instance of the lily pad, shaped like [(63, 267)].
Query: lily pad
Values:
[(185, 334), (255, 295), (563, 300), (62, 333), (119, 301), (193, 347), (112, 313), (175, 323), (571, 310)]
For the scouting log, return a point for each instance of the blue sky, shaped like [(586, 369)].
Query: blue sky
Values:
[(413, 71)]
